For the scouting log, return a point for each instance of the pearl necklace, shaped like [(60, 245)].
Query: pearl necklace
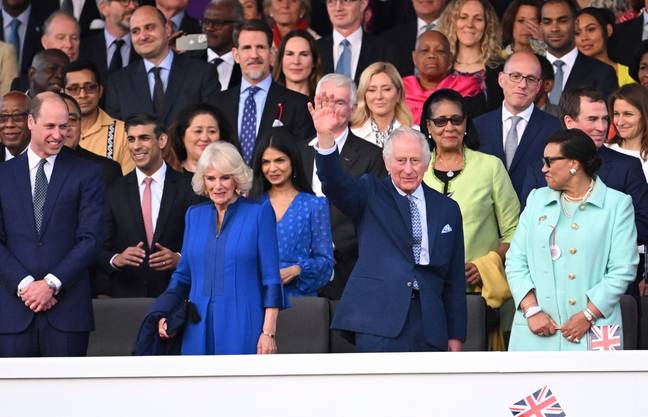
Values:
[(564, 199)]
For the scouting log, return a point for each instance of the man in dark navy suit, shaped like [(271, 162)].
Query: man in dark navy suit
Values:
[(51, 225), (516, 132), (407, 290)]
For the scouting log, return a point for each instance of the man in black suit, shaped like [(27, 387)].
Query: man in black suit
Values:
[(145, 217), (258, 102), (14, 133), (84, 11), (571, 68), (176, 12), (111, 48), (27, 32), (349, 50), (110, 169), (627, 37), (163, 82), (358, 157), (218, 24), (405, 34)]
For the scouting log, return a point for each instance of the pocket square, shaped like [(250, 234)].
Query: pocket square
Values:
[(446, 229)]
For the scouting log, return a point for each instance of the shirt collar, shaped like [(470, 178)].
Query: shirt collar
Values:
[(110, 38), (597, 197), (227, 57), (23, 17), (524, 114), (418, 193), (420, 24), (165, 64), (355, 38), (158, 176), (34, 159), (569, 58), (263, 84)]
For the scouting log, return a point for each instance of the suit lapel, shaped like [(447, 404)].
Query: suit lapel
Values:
[(58, 178), (175, 83), (403, 208), (24, 189), (134, 206), (271, 108), (577, 74), (140, 85), (350, 152), (529, 135), (326, 52), (233, 95), (364, 58), (235, 78), (433, 225), (168, 197), (308, 160)]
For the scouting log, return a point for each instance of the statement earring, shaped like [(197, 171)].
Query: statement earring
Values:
[(572, 171)]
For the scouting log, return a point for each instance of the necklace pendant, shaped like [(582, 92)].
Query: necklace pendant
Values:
[(450, 174)]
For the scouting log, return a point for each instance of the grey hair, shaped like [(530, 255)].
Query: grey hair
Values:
[(225, 158), (405, 131), (54, 15), (340, 80), (236, 7)]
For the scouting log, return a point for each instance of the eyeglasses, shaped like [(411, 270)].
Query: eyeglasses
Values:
[(89, 88), (217, 23), (455, 120), (125, 3), (14, 117), (547, 160), (333, 2), (516, 77)]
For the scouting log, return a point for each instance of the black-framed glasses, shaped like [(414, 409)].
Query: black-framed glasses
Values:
[(332, 2), (14, 117), (125, 3), (89, 88), (217, 22), (516, 77), (547, 160), (455, 120)]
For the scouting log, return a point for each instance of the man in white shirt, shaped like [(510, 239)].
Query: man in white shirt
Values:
[(14, 134), (219, 20)]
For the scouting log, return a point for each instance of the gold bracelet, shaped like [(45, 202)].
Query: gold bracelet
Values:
[(270, 335)]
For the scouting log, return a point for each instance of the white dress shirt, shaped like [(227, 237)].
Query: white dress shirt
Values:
[(422, 24), (339, 142), (521, 126), (224, 69), (164, 73), (419, 200), (157, 188), (569, 59), (644, 32), (110, 47), (32, 161), (356, 43)]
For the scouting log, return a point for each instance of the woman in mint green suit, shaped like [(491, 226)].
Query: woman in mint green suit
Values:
[(574, 251)]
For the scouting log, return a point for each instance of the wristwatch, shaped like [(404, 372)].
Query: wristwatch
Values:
[(50, 284)]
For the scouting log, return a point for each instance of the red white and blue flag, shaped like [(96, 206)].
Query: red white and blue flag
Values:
[(604, 337), (541, 403)]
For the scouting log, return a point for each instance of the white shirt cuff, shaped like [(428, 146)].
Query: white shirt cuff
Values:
[(326, 151), (56, 281), (24, 283), (111, 262)]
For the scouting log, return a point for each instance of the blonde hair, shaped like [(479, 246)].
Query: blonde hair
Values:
[(363, 113), (491, 42), (225, 158)]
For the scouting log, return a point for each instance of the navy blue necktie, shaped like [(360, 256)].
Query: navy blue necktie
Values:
[(248, 124)]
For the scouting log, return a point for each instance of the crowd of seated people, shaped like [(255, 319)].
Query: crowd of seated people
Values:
[(222, 156)]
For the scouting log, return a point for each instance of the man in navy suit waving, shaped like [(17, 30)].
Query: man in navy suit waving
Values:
[(51, 222), (406, 291)]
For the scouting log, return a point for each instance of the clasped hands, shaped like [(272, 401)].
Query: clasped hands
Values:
[(541, 324), (162, 260), (38, 297)]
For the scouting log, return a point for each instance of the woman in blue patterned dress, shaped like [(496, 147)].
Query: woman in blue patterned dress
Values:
[(303, 225)]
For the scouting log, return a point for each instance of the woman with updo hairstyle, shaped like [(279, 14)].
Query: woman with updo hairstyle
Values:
[(298, 65), (574, 252)]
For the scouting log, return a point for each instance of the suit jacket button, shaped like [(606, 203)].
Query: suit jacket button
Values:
[(409, 284), (571, 275), (574, 226), (572, 251), (572, 301)]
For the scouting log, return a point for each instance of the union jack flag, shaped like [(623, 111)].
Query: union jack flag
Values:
[(541, 403), (604, 337)]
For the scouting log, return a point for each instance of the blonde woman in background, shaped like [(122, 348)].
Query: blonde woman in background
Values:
[(381, 104)]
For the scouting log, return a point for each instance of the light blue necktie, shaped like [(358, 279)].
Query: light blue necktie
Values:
[(556, 91), (14, 37), (512, 141), (248, 125), (344, 63), (40, 194)]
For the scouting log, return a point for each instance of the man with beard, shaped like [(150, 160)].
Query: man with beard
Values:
[(259, 103), (163, 82), (14, 134), (111, 49)]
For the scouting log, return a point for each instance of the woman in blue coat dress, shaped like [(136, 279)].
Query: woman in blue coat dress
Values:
[(574, 251), (303, 225), (230, 265)]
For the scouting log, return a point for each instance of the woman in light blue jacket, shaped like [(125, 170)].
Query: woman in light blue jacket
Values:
[(574, 251)]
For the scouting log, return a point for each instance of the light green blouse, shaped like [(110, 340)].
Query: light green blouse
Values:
[(488, 203)]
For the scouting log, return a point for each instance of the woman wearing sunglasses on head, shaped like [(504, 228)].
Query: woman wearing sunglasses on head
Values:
[(480, 185), (573, 254)]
